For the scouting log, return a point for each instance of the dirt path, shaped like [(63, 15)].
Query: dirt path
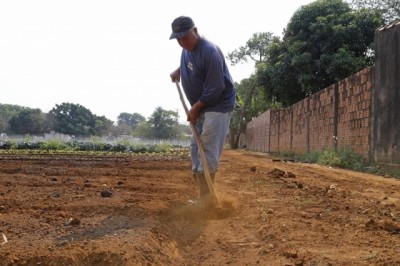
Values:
[(74, 210)]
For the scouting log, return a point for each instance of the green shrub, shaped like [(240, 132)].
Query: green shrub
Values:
[(5, 145), (350, 159), (329, 158), (310, 157), (342, 158), (54, 145), (163, 148)]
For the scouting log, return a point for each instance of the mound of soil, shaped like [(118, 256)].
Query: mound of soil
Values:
[(134, 210)]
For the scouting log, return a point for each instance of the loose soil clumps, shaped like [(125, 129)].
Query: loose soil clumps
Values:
[(133, 210)]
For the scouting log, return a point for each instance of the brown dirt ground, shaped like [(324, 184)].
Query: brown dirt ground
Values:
[(272, 212)]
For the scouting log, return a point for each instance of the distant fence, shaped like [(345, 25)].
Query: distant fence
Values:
[(361, 112)]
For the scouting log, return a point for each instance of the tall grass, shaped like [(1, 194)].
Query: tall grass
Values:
[(347, 158), (344, 157)]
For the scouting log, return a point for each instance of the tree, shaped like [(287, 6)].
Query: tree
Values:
[(102, 125), (73, 119), (255, 48), (252, 101), (253, 97), (250, 95), (323, 43), (130, 119), (163, 123), (389, 9), (127, 122), (28, 121), (242, 110), (8, 111), (143, 130), (277, 76), (184, 130)]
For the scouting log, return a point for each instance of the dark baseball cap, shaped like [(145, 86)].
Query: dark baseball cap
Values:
[(180, 26)]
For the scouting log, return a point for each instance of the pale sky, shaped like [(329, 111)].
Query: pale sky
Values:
[(114, 56)]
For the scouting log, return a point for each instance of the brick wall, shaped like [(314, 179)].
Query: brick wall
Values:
[(321, 117), (354, 111), (361, 112), (300, 127), (257, 138), (338, 116), (274, 132)]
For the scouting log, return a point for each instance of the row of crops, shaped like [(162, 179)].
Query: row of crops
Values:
[(54, 145)]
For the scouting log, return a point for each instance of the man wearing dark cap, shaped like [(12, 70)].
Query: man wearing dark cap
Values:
[(211, 93)]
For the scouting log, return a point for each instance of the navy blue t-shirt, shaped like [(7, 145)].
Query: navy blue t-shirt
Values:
[(205, 77)]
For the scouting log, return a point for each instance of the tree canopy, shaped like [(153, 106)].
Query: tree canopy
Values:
[(163, 123), (8, 111), (28, 121), (75, 119), (255, 49), (130, 119), (389, 9), (323, 43)]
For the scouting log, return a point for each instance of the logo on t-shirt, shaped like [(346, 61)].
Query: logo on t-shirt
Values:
[(190, 66)]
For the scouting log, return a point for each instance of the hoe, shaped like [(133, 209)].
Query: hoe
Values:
[(200, 146)]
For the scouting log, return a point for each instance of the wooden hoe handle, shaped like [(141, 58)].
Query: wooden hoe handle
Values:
[(200, 145)]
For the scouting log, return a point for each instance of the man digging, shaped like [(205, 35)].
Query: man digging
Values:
[(210, 90)]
